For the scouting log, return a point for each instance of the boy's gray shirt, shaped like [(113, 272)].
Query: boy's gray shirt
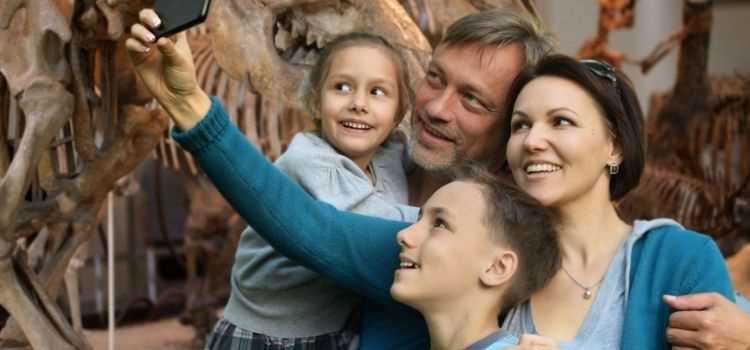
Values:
[(273, 295)]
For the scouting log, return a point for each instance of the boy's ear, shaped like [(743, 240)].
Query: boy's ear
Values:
[(502, 268)]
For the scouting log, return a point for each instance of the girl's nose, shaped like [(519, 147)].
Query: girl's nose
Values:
[(359, 103)]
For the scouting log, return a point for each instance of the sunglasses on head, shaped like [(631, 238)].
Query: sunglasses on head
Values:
[(601, 69)]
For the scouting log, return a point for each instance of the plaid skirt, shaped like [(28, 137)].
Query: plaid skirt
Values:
[(227, 336)]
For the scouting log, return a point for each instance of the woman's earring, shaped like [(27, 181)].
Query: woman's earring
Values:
[(614, 168)]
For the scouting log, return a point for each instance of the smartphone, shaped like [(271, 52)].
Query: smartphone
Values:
[(178, 15)]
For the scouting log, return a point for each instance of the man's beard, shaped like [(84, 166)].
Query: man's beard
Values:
[(436, 161), (443, 162)]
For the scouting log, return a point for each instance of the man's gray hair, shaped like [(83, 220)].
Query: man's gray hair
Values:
[(500, 28)]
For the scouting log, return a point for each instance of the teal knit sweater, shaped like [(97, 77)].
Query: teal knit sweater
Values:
[(361, 252)]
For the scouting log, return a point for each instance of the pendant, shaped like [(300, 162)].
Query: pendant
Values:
[(587, 293)]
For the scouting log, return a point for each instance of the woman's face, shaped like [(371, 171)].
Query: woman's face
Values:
[(359, 101), (444, 252), (559, 146)]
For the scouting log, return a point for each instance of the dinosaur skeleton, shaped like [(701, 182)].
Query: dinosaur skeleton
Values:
[(63, 149), (698, 169), (74, 120)]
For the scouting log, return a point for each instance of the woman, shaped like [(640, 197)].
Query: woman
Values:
[(576, 142)]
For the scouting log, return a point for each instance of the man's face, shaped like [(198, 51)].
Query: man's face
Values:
[(459, 104)]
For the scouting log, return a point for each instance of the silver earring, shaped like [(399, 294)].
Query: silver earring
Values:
[(614, 168)]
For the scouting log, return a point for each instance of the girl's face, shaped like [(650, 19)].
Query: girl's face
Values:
[(359, 101), (559, 146), (444, 253)]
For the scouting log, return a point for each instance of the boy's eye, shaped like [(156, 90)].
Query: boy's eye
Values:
[(342, 87), (439, 223)]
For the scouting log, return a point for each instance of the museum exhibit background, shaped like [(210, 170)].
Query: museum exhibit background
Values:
[(75, 126)]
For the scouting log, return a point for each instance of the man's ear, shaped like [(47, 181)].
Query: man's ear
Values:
[(501, 269)]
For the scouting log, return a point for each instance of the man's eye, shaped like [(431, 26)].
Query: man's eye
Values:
[(342, 87), (473, 103), (434, 79)]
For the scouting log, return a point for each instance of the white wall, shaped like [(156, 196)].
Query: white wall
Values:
[(575, 21)]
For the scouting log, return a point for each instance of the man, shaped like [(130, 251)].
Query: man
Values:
[(456, 116), (459, 104)]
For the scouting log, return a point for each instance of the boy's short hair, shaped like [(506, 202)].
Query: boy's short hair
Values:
[(518, 221)]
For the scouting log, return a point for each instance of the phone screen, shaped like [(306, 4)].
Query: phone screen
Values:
[(178, 15)]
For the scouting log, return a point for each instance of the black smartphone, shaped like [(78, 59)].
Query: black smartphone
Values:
[(178, 15)]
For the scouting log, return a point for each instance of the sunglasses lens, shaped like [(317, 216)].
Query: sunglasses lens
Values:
[(601, 69)]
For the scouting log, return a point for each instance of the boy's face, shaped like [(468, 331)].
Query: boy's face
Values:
[(359, 101), (446, 250)]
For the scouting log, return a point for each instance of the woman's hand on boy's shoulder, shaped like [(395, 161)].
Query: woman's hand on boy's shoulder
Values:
[(707, 321), (535, 342)]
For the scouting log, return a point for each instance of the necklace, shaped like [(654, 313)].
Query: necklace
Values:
[(586, 290)]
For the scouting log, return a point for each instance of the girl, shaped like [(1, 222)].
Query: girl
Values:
[(356, 94)]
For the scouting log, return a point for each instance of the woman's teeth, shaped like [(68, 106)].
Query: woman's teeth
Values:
[(541, 168)]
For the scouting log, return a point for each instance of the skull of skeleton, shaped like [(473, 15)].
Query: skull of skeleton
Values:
[(271, 44)]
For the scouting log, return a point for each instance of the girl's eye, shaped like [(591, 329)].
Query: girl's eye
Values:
[(377, 92), (342, 87)]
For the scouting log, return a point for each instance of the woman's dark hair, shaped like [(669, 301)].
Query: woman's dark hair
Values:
[(614, 94)]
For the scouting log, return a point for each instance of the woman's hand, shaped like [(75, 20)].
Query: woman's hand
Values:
[(707, 321), (167, 72), (535, 342)]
